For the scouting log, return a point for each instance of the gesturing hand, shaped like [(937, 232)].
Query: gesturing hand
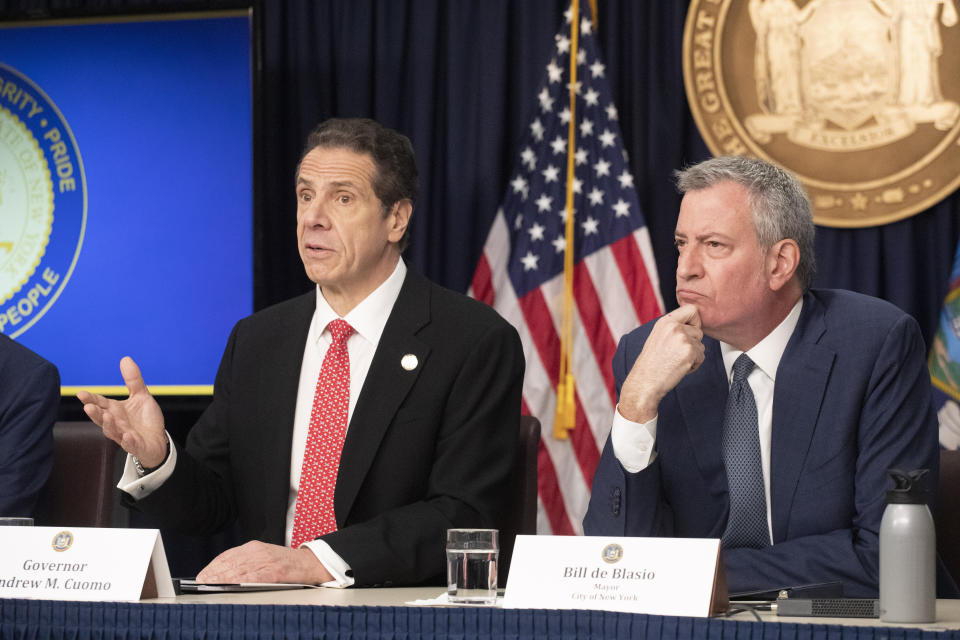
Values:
[(136, 424), (673, 349)]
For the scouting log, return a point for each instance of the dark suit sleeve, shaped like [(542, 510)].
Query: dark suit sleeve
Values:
[(474, 451), (897, 429), (624, 503), (30, 400)]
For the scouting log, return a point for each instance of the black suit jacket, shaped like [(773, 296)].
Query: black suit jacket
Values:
[(425, 450)]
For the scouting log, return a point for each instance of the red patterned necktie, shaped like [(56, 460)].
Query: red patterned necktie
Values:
[(314, 514)]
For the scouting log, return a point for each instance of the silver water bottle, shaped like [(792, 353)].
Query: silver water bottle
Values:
[(908, 551)]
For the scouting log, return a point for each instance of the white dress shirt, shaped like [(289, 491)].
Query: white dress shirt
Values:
[(633, 442), (368, 320)]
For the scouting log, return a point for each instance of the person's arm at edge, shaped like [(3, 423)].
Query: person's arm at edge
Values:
[(26, 439)]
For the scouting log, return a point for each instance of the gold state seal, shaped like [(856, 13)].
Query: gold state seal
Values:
[(860, 98)]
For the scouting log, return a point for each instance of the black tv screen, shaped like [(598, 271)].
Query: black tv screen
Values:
[(126, 194)]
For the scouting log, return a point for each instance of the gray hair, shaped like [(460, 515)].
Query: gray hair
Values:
[(777, 200)]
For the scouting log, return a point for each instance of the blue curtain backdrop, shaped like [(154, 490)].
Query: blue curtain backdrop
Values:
[(460, 78)]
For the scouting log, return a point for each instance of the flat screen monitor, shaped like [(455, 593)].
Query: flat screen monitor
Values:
[(126, 194)]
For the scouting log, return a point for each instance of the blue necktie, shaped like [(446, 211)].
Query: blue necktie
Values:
[(747, 524)]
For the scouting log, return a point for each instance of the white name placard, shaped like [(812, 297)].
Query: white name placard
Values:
[(662, 576), (80, 563)]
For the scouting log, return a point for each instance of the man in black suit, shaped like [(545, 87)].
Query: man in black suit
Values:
[(29, 400), (434, 396)]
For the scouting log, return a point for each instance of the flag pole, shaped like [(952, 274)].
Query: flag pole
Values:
[(566, 414)]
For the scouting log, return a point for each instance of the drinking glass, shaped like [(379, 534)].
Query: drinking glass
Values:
[(472, 556)]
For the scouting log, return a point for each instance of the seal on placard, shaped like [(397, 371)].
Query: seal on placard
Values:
[(62, 541), (612, 553), (859, 98), (43, 202)]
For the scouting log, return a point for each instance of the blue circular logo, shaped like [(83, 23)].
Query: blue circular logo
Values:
[(43, 202)]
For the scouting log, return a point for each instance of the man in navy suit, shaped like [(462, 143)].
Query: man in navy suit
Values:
[(837, 380), (432, 409), (29, 400)]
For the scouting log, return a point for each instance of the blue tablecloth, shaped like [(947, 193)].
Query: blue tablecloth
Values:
[(40, 619)]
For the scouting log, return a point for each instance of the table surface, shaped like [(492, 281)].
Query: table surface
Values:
[(948, 611)]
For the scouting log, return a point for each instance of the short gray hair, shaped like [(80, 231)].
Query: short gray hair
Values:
[(777, 200)]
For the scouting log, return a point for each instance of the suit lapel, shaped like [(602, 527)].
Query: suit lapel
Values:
[(279, 383), (386, 386), (798, 394), (702, 397)]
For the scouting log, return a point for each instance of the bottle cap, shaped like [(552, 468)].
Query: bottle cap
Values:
[(909, 487)]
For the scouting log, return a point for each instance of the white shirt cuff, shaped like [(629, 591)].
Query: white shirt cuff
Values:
[(332, 562), (137, 487), (633, 442)]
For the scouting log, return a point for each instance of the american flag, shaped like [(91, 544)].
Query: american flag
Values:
[(616, 287)]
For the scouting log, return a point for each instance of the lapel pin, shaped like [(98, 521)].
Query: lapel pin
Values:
[(409, 362)]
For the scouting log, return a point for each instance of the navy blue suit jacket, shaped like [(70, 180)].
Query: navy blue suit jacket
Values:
[(29, 400), (851, 400)]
